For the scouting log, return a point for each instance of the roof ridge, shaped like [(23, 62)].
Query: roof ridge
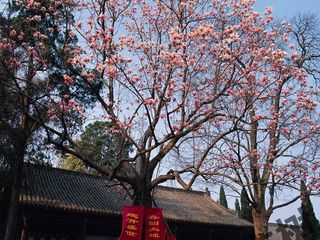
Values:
[(66, 171), (57, 169), (51, 187), (221, 208), (183, 190)]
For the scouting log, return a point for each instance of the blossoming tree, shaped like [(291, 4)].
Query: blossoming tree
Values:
[(162, 72), (29, 37), (276, 144)]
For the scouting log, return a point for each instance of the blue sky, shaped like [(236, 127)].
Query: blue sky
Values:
[(285, 9), (288, 8)]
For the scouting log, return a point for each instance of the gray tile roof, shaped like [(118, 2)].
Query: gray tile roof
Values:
[(90, 194)]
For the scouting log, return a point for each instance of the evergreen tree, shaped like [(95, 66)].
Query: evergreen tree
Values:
[(222, 197), (310, 224), (102, 146), (246, 208), (237, 207), (29, 34)]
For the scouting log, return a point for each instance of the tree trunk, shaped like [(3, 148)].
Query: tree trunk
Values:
[(142, 190), (142, 195), (260, 223), (12, 219)]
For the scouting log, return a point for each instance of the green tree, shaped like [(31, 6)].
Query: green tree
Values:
[(222, 197), (310, 224), (26, 34), (99, 144), (246, 208), (72, 163), (237, 207)]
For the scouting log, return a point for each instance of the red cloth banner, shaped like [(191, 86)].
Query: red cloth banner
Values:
[(169, 235), (154, 227), (132, 223), (135, 219)]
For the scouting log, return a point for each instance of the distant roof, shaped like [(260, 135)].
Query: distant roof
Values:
[(84, 193)]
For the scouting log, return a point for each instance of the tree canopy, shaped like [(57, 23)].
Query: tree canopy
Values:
[(101, 146), (29, 39)]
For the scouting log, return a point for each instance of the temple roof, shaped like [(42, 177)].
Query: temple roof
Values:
[(59, 189)]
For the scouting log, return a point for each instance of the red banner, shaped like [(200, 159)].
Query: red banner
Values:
[(154, 227), (132, 222), (169, 235), (135, 219)]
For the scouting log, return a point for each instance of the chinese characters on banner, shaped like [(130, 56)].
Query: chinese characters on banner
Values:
[(132, 222), (154, 227), (136, 218)]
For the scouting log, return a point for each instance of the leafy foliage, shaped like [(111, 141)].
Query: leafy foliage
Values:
[(100, 145), (72, 163), (29, 38)]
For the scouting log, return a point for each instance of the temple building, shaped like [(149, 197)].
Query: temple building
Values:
[(57, 204)]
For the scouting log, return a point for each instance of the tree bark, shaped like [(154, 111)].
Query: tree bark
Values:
[(260, 223), (142, 195), (12, 219)]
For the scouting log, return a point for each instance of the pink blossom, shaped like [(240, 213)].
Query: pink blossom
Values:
[(175, 128), (13, 33), (150, 101), (231, 91), (68, 80)]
